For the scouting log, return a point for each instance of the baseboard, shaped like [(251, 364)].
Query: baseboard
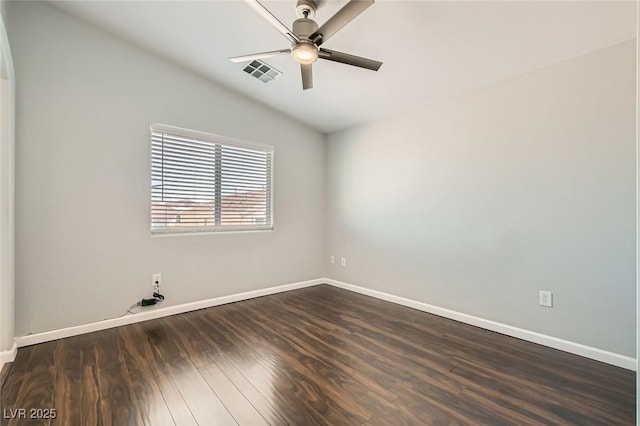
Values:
[(153, 313), (531, 336), (8, 356)]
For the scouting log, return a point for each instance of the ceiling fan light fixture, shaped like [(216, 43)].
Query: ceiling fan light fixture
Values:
[(304, 53)]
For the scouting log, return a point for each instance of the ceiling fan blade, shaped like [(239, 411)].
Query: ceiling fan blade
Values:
[(307, 76), (348, 59), (342, 17), (262, 55), (264, 12)]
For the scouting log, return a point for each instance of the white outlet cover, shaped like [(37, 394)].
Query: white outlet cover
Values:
[(343, 261), (154, 278), (546, 299), (333, 259)]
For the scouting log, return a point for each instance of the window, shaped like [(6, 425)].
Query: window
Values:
[(204, 183)]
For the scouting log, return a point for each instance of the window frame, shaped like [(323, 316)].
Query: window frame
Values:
[(220, 140)]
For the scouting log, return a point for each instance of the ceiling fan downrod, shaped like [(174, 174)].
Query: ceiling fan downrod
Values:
[(306, 9)]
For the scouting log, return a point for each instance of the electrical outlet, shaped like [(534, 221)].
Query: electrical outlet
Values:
[(156, 280), (546, 299), (343, 261), (333, 259)]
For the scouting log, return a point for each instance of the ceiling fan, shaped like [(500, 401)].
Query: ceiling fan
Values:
[(306, 37)]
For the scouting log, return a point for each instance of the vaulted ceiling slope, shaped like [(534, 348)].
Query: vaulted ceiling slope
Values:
[(431, 50)]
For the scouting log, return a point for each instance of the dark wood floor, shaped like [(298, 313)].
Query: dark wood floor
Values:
[(319, 355)]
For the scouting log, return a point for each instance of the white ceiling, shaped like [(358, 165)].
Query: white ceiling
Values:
[(431, 50)]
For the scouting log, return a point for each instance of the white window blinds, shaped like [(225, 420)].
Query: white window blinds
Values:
[(204, 183)]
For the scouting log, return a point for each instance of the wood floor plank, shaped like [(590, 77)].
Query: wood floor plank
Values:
[(117, 399), (241, 364), (14, 381), (188, 341), (437, 406), (91, 405), (345, 352), (37, 390), (150, 401), (272, 413), (352, 317), (176, 404), (67, 400), (226, 356), (4, 372), (410, 414), (91, 411), (337, 351), (165, 353), (240, 408), (134, 351), (204, 404), (267, 373), (318, 355), (529, 397), (325, 385)]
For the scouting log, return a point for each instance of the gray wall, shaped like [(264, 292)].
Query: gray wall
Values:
[(84, 252), (477, 202)]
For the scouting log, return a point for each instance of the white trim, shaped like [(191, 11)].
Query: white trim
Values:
[(162, 234), (167, 231), (8, 356), (153, 313), (209, 137), (531, 336), (7, 140), (220, 143)]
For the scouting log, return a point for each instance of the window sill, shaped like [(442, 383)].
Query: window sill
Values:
[(206, 233)]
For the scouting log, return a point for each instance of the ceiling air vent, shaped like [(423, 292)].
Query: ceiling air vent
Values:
[(262, 71)]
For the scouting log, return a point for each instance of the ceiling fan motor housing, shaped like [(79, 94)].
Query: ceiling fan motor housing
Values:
[(303, 28)]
